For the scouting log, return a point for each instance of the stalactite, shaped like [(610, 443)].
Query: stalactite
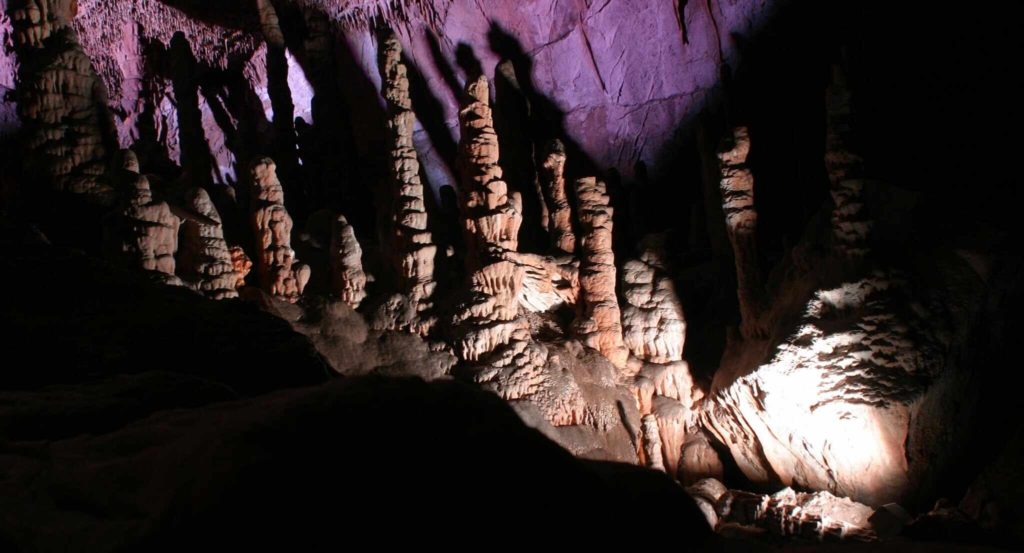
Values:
[(552, 181), (279, 275), (598, 323), (737, 187), (204, 262), (410, 243), (61, 102), (348, 281)]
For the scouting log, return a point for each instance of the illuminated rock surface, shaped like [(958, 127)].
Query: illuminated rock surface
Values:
[(279, 275), (205, 262)]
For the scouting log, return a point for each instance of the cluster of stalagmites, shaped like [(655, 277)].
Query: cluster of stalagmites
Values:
[(61, 102), (276, 267), (406, 238)]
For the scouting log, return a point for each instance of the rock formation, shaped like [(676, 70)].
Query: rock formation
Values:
[(408, 242), (142, 232), (348, 281), (598, 323), (279, 274), (204, 260), (61, 102), (552, 180), (241, 264), (653, 325), (737, 186), (850, 225)]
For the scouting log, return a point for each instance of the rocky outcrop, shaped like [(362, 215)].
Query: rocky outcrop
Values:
[(204, 260), (143, 233), (737, 187), (348, 281), (61, 102), (598, 323), (552, 181), (279, 274), (407, 240), (864, 398), (850, 225)]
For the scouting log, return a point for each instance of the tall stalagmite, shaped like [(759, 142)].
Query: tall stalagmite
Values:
[(408, 241), (348, 281), (737, 186), (552, 181), (61, 102), (598, 323), (204, 262), (850, 224), (279, 275)]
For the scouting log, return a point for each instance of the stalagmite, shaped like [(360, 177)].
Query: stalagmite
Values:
[(204, 262), (348, 281), (598, 323), (850, 225), (143, 233), (279, 275), (241, 263), (61, 102), (737, 186), (653, 325), (653, 457), (491, 218), (408, 241), (552, 181)]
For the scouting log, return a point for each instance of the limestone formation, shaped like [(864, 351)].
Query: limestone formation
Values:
[(653, 325), (348, 281), (850, 225), (598, 323), (204, 262), (241, 265), (552, 181), (408, 241), (548, 282), (279, 274), (737, 187), (818, 516), (61, 102), (143, 233), (491, 215), (489, 318), (652, 449)]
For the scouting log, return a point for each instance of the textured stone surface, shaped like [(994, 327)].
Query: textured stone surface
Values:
[(61, 102), (737, 187), (815, 516), (348, 281), (279, 274), (552, 180), (653, 324), (143, 233), (405, 233), (598, 323), (204, 260)]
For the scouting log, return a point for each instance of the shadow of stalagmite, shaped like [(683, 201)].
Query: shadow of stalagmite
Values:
[(196, 159)]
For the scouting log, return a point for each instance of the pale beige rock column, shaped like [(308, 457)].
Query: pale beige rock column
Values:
[(850, 224), (204, 261), (598, 323), (411, 244), (144, 232), (61, 102), (552, 180), (737, 187), (279, 274), (348, 281)]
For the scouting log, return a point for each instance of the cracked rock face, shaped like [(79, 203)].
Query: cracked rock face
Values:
[(279, 274)]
